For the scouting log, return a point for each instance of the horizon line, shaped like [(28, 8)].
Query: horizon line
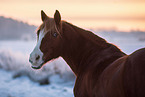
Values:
[(113, 28)]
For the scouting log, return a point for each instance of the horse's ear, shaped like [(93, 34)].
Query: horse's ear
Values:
[(57, 17), (43, 16)]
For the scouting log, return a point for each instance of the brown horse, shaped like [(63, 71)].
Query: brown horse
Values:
[(102, 70)]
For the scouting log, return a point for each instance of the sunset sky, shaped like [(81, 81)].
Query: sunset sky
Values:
[(108, 14)]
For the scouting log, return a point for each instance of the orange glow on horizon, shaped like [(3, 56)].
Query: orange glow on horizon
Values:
[(121, 14)]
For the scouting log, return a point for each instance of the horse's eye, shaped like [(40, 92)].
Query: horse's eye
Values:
[(55, 34)]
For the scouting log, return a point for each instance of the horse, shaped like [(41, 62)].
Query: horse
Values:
[(101, 68)]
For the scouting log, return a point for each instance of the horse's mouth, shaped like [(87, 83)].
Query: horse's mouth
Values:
[(37, 67)]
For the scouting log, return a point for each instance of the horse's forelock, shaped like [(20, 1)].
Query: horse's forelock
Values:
[(48, 26)]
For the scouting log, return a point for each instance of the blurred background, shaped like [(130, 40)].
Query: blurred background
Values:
[(121, 22)]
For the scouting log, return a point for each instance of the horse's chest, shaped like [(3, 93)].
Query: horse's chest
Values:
[(83, 87)]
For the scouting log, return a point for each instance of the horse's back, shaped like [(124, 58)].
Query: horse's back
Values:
[(125, 77), (134, 74)]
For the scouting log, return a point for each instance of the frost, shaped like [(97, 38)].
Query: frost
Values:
[(19, 65)]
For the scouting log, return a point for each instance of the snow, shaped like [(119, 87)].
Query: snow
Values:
[(19, 80), (23, 87), (55, 79)]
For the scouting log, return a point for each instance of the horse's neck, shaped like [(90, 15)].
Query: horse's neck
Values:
[(81, 48)]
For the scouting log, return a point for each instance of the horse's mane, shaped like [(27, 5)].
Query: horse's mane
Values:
[(87, 34)]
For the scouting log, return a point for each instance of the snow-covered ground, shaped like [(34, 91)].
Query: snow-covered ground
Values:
[(18, 79), (23, 87)]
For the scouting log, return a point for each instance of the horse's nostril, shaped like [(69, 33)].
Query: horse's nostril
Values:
[(37, 58), (30, 61)]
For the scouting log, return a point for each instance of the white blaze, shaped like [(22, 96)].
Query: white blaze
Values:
[(37, 52)]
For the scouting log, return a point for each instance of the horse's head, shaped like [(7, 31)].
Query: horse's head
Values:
[(48, 42)]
